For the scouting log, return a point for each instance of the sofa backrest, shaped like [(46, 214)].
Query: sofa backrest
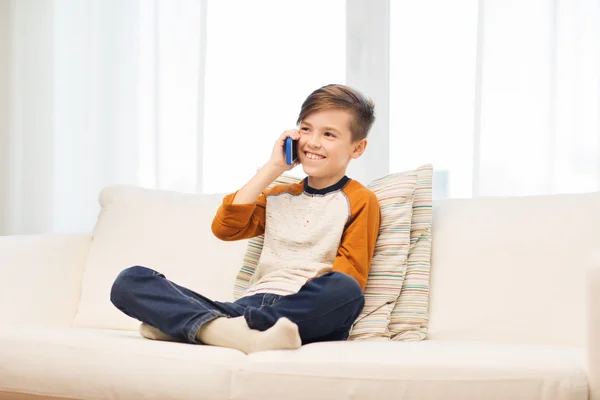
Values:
[(167, 231), (503, 269), (512, 269)]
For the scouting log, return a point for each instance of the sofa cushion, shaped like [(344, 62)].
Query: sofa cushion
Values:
[(102, 364), (48, 268), (418, 370), (166, 231), (410, 317)]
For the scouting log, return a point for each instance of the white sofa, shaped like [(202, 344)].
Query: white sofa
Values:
[(509, 314)]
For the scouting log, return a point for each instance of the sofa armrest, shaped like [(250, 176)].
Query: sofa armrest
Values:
[(41, 278), (593, 328)]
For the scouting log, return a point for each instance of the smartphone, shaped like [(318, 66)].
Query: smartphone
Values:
[(291, 151)]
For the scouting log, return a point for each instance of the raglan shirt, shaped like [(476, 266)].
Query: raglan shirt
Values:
[(307, 233)]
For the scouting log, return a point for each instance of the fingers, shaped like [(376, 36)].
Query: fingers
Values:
[(293, 133), (283, 136)]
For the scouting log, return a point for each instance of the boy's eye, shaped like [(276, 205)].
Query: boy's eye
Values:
[(329, 134), (304, 128)]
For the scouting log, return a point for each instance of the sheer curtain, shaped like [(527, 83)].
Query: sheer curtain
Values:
[(540, 98), (120, 92), (101, 92), (4, 112), (263, 58), (503, 96)]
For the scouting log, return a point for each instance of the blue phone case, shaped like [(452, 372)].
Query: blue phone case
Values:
[(291, 153)]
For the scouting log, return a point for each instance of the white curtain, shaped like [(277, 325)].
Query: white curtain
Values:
[(503, 96), (115, 92), (539, 97), (101, 92), (4, 112), (263, 58)]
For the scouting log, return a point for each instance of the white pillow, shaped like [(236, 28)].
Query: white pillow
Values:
[(166, 231)]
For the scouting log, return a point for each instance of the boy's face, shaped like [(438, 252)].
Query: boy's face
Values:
[(325, 146)]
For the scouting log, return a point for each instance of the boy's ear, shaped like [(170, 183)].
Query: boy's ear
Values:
[(359, 148)]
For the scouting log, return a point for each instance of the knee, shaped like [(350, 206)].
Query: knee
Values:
[(123, 288), (347, 287), (351, 292)]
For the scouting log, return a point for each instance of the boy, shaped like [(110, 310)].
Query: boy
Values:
[(319, 236)]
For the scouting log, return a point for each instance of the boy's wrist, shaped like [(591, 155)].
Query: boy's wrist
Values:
[(273, 170), (263, 178)]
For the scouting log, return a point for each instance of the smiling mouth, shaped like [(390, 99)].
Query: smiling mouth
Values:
[(312, 156)]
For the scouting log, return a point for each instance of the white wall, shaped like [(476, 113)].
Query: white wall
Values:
[(4, 80)]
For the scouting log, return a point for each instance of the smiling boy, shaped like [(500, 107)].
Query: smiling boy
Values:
[(319, 239)]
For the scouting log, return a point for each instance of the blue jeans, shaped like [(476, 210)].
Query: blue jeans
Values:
[(324, 309)]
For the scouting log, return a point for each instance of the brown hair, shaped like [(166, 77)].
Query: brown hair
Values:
[(344, 98)]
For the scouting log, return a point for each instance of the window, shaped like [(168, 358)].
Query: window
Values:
[(526, 124), (170, 49), (432, 89), (262, 57)]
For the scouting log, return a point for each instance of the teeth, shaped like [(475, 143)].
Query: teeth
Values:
[(312, 156)]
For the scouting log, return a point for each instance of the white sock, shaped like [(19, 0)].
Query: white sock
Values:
[(150, 332), (235, 334)]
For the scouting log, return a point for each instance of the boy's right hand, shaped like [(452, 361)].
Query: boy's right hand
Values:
[(269, 172), (278, 155)]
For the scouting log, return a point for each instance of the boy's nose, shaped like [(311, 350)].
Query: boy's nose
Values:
[(315, 143)]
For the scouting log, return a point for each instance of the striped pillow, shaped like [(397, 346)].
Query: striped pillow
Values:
[(255, 245), (410, 319), (395, 194)]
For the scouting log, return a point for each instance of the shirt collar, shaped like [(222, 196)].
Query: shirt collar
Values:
[(336, 186)]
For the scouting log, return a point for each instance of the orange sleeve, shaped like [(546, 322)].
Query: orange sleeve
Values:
[(239, 221), (358, 240)]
